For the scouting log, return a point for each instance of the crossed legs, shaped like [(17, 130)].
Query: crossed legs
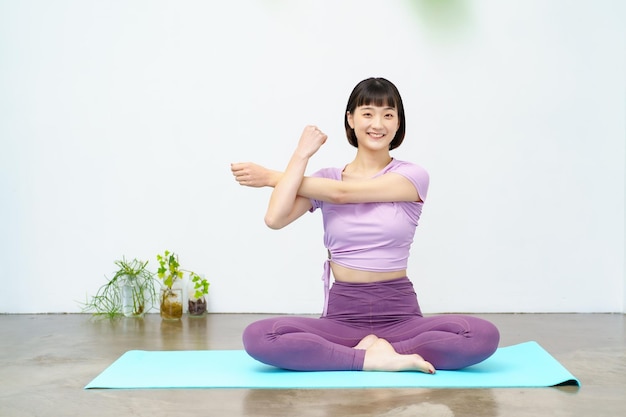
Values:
[(417, 343)]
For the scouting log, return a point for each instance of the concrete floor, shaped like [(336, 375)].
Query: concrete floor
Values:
[(46, 360)]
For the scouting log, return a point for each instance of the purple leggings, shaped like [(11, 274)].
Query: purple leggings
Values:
[(386, 309)]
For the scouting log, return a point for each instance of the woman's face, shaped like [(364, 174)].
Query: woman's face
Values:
[(374, 126)]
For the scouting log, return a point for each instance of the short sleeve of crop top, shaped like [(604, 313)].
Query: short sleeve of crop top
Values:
[(416, 174)]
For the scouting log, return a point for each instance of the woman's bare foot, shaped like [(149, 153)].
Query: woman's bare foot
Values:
[(366, 342), (381, 356)]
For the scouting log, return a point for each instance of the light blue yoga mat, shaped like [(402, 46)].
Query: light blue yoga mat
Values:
[(524, 365)]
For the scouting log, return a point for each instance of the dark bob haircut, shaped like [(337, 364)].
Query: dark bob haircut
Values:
[(376, 92)]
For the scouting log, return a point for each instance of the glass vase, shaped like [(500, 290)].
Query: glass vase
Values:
[(134, 298), (171, 303), (196, 307)]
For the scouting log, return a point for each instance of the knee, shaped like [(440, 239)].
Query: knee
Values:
[(490, 337), (251, 335), (254, 338)]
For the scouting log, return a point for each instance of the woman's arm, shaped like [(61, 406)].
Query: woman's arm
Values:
[(387, 187)]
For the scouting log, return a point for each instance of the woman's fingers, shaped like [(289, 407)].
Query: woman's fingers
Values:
[(249, 174), (239, 172)]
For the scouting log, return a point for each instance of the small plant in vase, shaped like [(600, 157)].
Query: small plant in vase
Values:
[(171, 301), (129, 293), (198, 289)]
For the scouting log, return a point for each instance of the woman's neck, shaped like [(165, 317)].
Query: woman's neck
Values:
[(367, 164)]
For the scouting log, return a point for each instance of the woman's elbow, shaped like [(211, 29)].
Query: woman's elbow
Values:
[(273, 222), (339, 197)]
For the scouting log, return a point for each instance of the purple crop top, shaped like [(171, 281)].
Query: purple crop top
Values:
[(371, 236)]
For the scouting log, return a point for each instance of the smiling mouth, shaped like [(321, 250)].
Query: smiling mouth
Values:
[(376, 135)]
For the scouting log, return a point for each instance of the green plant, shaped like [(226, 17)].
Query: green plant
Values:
[(200, 285), (197, 303), (169, 268), (169, 272), (130, 292)]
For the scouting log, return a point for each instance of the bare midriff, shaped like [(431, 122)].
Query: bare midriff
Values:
[(356, 276)]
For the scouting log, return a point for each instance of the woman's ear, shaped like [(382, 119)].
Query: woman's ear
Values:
[(350, 119)]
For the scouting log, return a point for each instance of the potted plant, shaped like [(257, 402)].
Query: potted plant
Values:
[(198, 289), (129, 293), (171, 300), (171, 273)]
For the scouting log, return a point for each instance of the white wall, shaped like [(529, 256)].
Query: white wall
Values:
[(119, 119)]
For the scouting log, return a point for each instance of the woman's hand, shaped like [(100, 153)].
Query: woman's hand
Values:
[(310, 141), (253, 175)]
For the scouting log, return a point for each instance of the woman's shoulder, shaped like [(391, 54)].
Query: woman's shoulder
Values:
[(397, 165), (414, 173)]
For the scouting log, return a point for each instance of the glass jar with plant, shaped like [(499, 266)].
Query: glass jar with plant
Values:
[(198, 289), (171, 300), (129, 293)]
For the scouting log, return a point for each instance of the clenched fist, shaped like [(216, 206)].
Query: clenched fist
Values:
[(310, 141)]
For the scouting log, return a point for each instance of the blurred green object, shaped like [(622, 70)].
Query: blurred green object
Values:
[(444, 17)]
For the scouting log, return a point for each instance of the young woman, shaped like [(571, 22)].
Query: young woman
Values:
[(371, 207)]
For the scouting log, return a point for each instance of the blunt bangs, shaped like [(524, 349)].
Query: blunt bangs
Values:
[(378, 95)]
